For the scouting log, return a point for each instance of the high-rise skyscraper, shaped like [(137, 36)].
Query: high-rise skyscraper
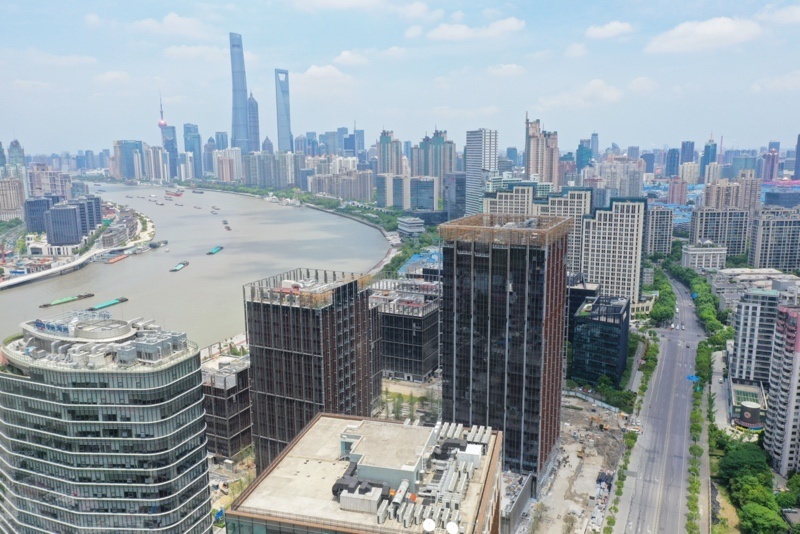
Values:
[(658, 230), (239, 126), (796, 175), (780, 437), (619, 228), (771, 166), (313, 339), (221, 139), (595, 146), (128, 160), (774, 238), (253, 133), (434, 156), (16, 154), (678, 192), (687, 152), (709, 156), (103, 420), (3, 155), (541, 148), (673, 163), (192, 142), (727, 227), (754, 322), (208, 154), (583, 156), (481, 160), (169, 140), (267, 146), (390, 154), (504, 290), (283, 114)]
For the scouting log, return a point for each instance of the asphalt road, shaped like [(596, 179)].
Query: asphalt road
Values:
[(654, 499)]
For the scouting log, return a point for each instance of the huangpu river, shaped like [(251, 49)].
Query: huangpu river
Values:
[(204, 299)]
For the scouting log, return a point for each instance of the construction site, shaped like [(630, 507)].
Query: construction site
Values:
[(591, 448)]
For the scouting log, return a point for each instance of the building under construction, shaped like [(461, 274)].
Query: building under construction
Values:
[(408, 311), (313, 338), (226, 399), (503, 312)]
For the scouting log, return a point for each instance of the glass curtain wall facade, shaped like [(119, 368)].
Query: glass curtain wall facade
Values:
[(239, 130), (102, 430), (503, 331), (600, 340), (284, 116)]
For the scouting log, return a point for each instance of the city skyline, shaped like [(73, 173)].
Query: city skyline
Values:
[(407, 67)]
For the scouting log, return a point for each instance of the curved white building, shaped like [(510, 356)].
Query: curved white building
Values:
[(102, 429)]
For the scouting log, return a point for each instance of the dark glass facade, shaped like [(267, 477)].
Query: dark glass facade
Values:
[(226, 399), (35, 208), (600, 340), (313, 341), (503, 331), (455, 194), (63, 225), (423, 194)]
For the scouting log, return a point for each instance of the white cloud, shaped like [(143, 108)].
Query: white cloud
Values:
[(784, 83), (491, 13), (457, 16), (196, 52), (506, 70), (174, 25), (784, 15), (413, 31), (418, 11), (696, 36), (112, 77), (31, 84), (613, 29), (462, 32), (593, 93), (353, 58), (643, 84), (53, 60), (322, 79), (465, 113), (350, 58), (575, 50), (322, 5), (91, 20)]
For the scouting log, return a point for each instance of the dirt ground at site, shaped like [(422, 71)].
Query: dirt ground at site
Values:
[(572, 498)]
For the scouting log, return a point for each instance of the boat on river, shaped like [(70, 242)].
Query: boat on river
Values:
[(178, 267), (214, 250), (158, 244), (107, 304), (65, 300)]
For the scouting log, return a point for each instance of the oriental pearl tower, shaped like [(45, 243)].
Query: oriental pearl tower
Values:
[(170, 142)]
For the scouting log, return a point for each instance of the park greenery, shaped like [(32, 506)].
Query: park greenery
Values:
[(6, 226)]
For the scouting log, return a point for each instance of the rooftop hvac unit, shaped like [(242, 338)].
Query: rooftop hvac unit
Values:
[(429, 525)]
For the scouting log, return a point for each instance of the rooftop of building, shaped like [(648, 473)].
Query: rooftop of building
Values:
[(602, 306), (747, 393), (221, 371), (94, 341), (302, 287), (366, 456), (504, 228)]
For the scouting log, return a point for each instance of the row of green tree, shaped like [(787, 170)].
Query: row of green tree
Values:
[(5, 226), (664, 307)]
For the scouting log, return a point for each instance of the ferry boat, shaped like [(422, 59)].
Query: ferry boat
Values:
[(107, 304), (115, 259), (65, 300), (178, 267), (225, 222), (215, 208), (157, 244), (197, 191), (214, 250), (213, 213), (174, 193), (228, 228)]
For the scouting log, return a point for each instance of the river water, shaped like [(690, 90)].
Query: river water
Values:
[(204, 299)]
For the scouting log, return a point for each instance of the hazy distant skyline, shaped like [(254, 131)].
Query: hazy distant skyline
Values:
[(78, 75)]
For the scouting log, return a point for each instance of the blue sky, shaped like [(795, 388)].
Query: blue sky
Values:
[(77, 75)]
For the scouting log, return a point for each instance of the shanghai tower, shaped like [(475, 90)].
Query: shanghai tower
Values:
[(239, 126)]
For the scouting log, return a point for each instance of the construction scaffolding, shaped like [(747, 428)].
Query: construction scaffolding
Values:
[(506, 229)]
